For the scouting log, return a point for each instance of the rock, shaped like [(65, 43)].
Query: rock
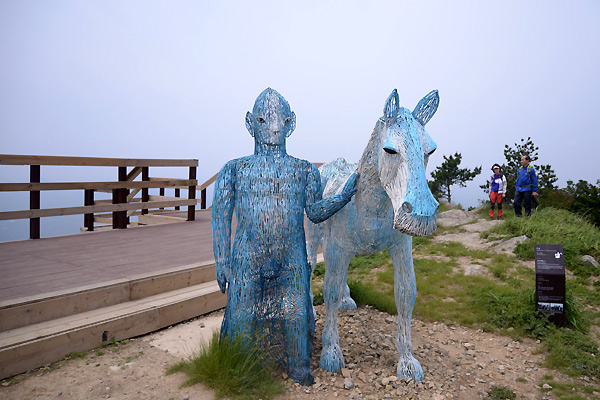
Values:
[(590, 261), (510, 244), (454, 218), (345, 372), (546, 387), (473, 269), (348, 383), (469, 346)]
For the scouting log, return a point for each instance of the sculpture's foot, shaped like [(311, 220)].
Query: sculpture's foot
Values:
[(302, 376), (332, 359), (347, 304), (410, 368)]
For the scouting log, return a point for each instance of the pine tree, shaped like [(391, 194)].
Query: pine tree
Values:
[(449, 174)]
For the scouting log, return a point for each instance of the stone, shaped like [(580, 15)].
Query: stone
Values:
[(590, 261), (345, 372), (348, 383), (546, 387)]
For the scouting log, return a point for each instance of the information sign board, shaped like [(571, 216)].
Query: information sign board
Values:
[(550, 281)]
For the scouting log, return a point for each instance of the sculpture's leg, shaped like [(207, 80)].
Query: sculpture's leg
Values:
[(296, 312), (347, 303), (243, 293), (336, 271), (405, 293)]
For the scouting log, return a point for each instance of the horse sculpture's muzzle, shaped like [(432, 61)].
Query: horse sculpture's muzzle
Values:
[(417, 221)]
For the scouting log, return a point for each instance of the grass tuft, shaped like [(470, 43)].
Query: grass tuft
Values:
[(501, 393), (236, 369)]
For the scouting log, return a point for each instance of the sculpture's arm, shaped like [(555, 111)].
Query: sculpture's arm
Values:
[(222, 211), (319, 209)]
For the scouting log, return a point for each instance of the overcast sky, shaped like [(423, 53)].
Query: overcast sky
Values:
[(174, 79)]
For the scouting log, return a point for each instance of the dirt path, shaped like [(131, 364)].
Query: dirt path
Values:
[(459, 363)]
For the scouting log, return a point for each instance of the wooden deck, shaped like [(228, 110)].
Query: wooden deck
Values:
[(31, 268), (73, 293)]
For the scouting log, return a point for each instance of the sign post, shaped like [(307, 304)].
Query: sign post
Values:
[(550, 293)]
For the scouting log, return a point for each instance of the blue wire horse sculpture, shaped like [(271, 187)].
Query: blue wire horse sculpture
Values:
[(266, 272), (392, 203)]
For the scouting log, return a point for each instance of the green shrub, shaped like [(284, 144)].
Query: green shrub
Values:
[(551, 226), (501, 393), (237, 369), (514, 307)]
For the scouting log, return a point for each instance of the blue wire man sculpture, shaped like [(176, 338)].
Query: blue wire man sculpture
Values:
[(266, 273)]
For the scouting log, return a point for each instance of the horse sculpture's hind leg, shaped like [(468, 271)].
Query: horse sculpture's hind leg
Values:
[(405, 293), (347, 303), (336, 272)]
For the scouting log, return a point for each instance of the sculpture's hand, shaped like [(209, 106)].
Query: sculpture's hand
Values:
[(349, 187), (223, 277)]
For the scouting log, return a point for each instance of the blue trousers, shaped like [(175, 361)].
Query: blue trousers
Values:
[(522, 197)]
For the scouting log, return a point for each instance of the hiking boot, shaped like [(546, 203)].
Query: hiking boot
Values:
[(500, 218), (491, 218)]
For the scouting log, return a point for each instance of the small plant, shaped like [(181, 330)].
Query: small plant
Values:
[(318, 298), (501, 393), (237, 369)]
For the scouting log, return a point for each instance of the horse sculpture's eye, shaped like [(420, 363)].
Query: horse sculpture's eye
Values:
[(261, 120), (287, 120)]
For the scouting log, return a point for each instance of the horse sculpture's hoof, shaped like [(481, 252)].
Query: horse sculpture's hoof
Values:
[(302, 376), (410, 368), (347, 304), (332, 359)]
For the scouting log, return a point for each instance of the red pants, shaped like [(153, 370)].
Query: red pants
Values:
[(496, 198)]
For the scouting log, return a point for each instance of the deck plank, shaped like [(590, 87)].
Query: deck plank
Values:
[(33, 267)]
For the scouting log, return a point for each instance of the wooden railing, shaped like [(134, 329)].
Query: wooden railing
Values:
[(123, 190)]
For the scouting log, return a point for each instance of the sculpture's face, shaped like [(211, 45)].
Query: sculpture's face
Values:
[(271, 120), (403, 155)]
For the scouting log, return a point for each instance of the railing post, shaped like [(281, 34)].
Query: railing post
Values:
[(120, 218), (34, 202), (88, 200), (192, 196), (177, 195), (203, 199), (145, 195), (161, 192)]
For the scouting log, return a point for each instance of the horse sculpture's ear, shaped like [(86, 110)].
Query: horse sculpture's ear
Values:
[(392, 104), (249, 125), (426, 107)]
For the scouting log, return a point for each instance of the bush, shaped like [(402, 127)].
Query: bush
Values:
[(501, 393), (551, 226)]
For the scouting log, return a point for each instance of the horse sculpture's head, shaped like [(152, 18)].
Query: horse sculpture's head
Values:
[(403, 153)]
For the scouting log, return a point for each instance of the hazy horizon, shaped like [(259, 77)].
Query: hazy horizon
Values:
[(149, 79)]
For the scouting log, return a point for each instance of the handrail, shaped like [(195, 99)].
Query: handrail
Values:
[(15, 159), (122, 200)]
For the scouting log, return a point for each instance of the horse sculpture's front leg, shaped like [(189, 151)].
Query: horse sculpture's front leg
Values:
[(405, 293), (336, 272)]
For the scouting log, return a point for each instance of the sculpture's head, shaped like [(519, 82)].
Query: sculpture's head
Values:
[(271, 120), (403, 153)]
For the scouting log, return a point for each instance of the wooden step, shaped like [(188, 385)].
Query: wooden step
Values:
[(32, 310), (32, 346)]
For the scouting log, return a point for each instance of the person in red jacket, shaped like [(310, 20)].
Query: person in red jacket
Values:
[(497, 191)]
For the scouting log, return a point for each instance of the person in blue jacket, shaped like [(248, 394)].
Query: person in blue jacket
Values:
[(526, 186)]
